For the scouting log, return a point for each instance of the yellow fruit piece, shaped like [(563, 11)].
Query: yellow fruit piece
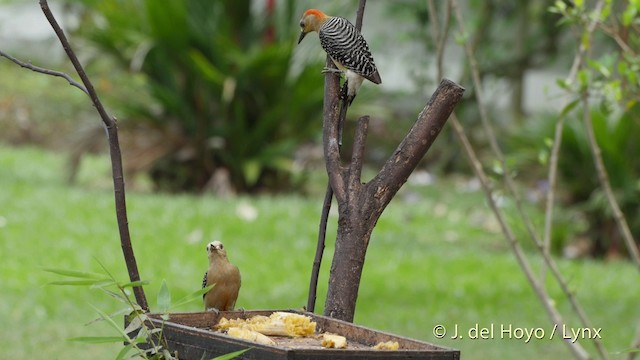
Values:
[(250, 335), (389, 345), (334, 341), (278, 324)]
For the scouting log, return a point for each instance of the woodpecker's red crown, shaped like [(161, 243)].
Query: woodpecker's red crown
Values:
[(315, 12), (311, 20)]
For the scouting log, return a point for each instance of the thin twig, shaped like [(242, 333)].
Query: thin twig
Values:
[(552, 180), (317, 261), (486, 124), (603, 178), (116, 158), (360, 14), (524, 264), (538, 288), (30, 66), (439, 34), (578, 60)]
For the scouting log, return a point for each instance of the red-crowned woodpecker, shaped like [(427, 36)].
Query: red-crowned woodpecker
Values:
[(346, 47), (226, 278)]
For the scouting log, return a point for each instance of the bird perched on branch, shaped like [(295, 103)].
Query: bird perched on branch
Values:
[(346, 47), (224, 276)]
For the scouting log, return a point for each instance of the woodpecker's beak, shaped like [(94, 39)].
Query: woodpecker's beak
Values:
[(302, 35)]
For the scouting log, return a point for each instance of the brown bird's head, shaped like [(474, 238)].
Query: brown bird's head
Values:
[(216, 248)]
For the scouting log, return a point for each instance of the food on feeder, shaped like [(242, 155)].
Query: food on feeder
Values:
[(225, 323), (333, 341), (278, 324), (247, 334), (288, 324), (389, 345)]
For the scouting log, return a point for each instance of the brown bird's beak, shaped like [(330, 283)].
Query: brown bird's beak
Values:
[(302, 35)]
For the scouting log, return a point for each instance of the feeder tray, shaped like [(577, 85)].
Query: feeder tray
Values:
[(194, 336)]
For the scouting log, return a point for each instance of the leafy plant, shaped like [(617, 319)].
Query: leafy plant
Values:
[(140, 338), (618, 135), (222, 77)]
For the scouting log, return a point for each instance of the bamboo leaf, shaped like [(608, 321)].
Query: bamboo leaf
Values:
[(135, 283), (114, 314), (98, 339), (76, 274), (570, 106), (134, 325), (74, 282), (193, 296), (232, 355), (164, 298), (125, 350), (117, 296), (103, 283), (113, 324)]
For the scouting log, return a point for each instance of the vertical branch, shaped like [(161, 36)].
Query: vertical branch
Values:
[(360, 14), (116, 158), (537, 285), (317, 261), (357, 158), (326, 207), (603, 178), (557, 141), (484, 119)]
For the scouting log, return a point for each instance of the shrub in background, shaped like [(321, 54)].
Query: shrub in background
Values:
[(618, 135), (220, 77)]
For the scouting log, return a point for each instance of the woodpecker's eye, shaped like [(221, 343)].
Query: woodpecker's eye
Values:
[(301, 23)]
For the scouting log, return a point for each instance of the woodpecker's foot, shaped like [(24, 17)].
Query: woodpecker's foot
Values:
[(338, 72), (214, 310)]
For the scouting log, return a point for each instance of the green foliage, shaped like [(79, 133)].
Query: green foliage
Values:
[(430, 260), (222, 75), (138, 331), (609, 78), (618, 135)]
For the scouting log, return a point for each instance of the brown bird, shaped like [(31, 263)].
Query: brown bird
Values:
[(226, 278)]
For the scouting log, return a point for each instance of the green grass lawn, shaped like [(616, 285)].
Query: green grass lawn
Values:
[(435, 258)]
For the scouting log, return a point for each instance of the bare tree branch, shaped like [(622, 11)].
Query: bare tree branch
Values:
[(116, 158), (360, 14), (578, 60), (405, 158), (357, 157), (603, 177), (330, 125), (486, 124), (30, 66), (317, 261), (524, 264)]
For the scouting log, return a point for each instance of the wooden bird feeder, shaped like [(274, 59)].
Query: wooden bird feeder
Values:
[(193, 336)]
